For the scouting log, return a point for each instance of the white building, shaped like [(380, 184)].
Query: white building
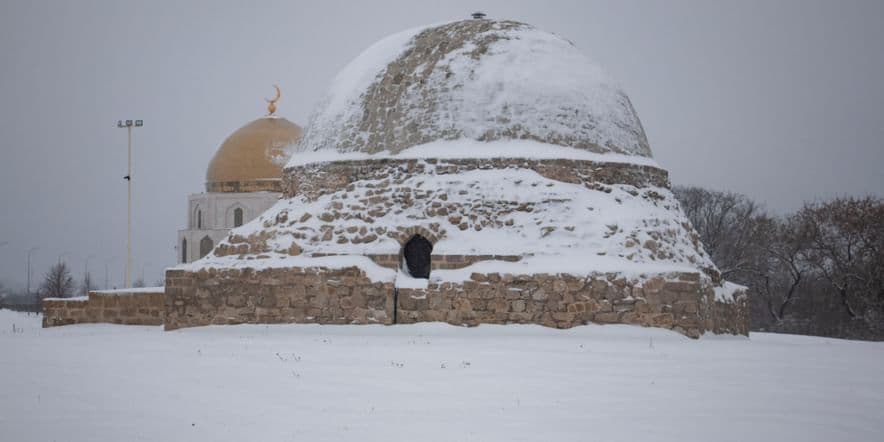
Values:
[(242, 181)]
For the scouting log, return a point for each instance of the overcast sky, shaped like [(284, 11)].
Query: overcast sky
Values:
[(780, 100)]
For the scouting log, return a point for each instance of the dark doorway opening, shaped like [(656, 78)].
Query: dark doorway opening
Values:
[(237, 217), (417, 256), (206, 246)]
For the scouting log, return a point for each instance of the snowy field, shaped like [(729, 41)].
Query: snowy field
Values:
[(431, 382)]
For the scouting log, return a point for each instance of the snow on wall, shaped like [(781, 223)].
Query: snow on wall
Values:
[(130, 291), (71, 299)]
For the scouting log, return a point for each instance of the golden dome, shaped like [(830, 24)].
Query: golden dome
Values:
[(251, 158)]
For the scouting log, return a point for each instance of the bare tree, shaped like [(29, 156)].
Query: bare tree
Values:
[(57, 283), (782, 265), (818, 271), (727, 223), (138, 283), (847, 249)]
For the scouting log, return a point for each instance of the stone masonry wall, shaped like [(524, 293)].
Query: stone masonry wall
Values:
[(288, 295), (315, 180), (119, 308), (681, 302)]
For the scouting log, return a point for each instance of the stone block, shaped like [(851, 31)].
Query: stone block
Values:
[(665, 320), (680, 286), (607, 317)]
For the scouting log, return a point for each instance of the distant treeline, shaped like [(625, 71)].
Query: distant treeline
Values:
[(19, 302), (818, 271), (57, 283)]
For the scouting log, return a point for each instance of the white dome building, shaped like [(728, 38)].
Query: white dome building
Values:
[(473, 172), (243, 180)]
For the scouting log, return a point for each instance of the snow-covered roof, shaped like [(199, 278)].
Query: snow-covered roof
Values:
[(73, 299), (476, 79)]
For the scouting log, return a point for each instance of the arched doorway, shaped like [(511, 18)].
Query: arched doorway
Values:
[(416, 254), (237, 217), (206, 246)]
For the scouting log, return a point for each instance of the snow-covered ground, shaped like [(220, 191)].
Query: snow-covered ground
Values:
[(431, 382)]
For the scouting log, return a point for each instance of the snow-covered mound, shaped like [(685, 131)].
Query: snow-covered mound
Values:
[(512, 211), (475, 79)]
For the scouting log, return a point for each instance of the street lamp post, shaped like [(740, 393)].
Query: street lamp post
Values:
[(32, 250), (129, 124)]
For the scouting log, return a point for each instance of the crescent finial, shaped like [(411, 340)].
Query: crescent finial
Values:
[(271, 103)]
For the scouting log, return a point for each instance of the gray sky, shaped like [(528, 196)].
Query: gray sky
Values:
[(780, 100)]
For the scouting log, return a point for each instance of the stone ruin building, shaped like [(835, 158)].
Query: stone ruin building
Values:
[(473, 172)]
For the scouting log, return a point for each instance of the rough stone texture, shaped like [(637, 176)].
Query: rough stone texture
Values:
[(360, 197), (123, 308), (314, 180), (288, 295), (440, 87), (682, 302)]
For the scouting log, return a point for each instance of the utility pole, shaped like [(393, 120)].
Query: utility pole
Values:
[(29, 268), (86, 274), (147, 264), (106, 267), (129, 124)]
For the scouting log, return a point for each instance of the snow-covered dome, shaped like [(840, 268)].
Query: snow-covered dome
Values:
[(482, 80)]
